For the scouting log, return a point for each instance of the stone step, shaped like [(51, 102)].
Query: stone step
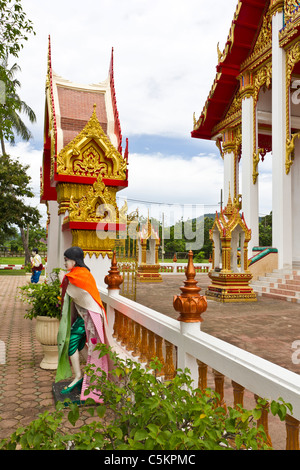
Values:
[(283, 284), (281, 297), (290, 286), (287, 292)]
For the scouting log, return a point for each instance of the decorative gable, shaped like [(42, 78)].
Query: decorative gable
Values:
[(90, 155)]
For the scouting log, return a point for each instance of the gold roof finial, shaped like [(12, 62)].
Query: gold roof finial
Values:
[(229, 207)]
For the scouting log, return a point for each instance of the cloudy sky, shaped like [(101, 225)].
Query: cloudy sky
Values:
[(165, 57)]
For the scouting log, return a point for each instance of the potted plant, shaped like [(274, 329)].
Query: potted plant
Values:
[(44, 304)]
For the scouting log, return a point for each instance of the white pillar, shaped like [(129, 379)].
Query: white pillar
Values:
[(295, 175), (229, 176), (54, 230), (281, 192), (249, 190)]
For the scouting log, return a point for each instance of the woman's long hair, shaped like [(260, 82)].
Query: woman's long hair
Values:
[(76, 254)]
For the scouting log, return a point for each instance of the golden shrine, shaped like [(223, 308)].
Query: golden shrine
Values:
[(230, 281), (148, 244), (83, 169)]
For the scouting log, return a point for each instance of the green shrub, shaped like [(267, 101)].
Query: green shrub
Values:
[(143, 412), (43, 298)]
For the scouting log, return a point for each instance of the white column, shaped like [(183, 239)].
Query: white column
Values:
[(249, 190), (281, 192), (295, 175), (229, 176), (54, 230)]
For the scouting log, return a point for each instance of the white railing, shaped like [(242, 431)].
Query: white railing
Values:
[(192, 347), (179, 268)]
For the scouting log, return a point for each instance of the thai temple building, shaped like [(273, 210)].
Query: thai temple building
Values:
[(253, 108), (83, 169)]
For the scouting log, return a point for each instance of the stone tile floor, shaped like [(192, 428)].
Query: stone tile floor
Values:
[(267, 328)]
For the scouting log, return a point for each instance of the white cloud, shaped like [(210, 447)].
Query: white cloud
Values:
[(173, 180), (165, 55), (27, 155)]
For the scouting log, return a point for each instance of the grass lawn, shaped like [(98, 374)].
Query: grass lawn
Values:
[(12, 272), (12, 260)]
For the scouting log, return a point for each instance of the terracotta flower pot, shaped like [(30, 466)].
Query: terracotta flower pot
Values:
[(46, 333)]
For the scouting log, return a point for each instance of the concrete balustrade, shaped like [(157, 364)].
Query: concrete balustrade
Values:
[(142, 333)]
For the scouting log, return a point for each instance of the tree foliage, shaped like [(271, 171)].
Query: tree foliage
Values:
[(14, 190), (141, 412), (12, 107), (265, 230), (15, 28)]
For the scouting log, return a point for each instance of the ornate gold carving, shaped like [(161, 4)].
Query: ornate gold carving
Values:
[(91, 154), (67, 190), (261, 78), (233, 115), (202, 118), (52, 130), (290, 10), (265, 35), (230, 38), (230, 284), (91, 244), (292, 57), (98, 204)]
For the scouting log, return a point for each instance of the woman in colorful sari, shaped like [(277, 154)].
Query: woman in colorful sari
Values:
[(82, 323)]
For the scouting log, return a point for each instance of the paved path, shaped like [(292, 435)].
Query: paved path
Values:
[(266, 328)]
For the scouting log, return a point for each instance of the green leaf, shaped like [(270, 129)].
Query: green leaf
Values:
[(101, 411), (140, 435)]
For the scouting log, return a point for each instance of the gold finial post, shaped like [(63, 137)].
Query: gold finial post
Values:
[(113, 279), (190, 304)]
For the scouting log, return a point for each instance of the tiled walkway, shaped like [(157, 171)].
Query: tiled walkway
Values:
[(266, 328), (25, 388)]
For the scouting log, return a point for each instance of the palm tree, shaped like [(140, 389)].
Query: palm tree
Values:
[(10, 121)]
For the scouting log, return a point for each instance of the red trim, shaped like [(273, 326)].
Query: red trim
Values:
[(114, 102), (88, 180), (51, 91), (103, 226), (247, 27)]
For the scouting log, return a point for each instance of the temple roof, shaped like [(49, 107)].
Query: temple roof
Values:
[(243, 33), (72, 106)]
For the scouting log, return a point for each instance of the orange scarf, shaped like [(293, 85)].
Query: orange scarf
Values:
[(82, 278)]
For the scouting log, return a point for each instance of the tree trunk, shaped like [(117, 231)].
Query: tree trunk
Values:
[(2, 145), (25, 245)]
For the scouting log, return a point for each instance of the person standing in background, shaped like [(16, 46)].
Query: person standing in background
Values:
[(36, 266)]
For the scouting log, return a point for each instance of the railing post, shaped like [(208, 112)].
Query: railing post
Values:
[(292, 433), (264, 420), (113, 280), (202, 375), (238, 394), (169, 368), (219, 387), (190, 304)]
